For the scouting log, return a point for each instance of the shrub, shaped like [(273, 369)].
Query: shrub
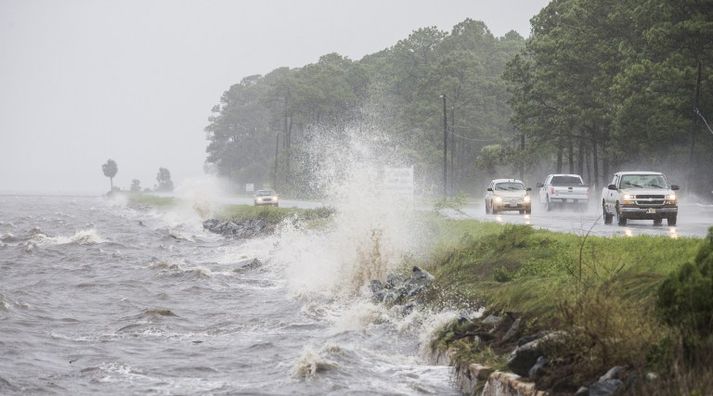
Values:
[(685, 298), (604, 330)]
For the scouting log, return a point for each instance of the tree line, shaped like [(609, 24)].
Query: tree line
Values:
[(262, 125), (163, 179), (608, 84), (599, 85)]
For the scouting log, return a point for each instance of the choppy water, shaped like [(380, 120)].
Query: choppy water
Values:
[(97, 298)]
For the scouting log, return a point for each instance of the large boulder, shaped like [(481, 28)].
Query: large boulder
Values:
[(513, 331), (244, 229), (538, 368), (610, 383), (606, 388), (525, 356), (399, 289)]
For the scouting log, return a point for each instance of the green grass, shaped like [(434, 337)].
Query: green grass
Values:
[(601, 290), (142, 199), (271, 214), (518, 268)]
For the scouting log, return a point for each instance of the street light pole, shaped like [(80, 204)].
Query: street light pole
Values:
[(445, 148)]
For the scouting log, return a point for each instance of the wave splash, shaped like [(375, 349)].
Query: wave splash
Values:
[(82, 237), (372, 230)]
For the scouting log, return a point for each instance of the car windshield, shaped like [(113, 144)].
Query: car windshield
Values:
[(509, 186), (264, 193), (643, 181), (566, 181)]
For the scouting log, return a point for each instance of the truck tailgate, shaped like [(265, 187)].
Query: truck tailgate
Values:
[(569, 192)]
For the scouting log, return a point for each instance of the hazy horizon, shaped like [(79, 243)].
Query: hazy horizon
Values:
[(84, 81)]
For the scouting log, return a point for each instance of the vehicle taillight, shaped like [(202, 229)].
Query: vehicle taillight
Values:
[(552, 190)]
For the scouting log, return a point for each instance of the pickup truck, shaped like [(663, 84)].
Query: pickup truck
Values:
[(563, 189), (640, 196)]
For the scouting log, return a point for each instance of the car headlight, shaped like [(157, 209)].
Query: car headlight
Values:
[(628, 197), (671, 197), (497, 199), (527, 199)]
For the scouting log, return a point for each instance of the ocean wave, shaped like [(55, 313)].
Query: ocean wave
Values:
[(310, 363), (4, 304), (9, 238), (82, 237), (176, 270), (7, 303), (7, 224), (157, 312)]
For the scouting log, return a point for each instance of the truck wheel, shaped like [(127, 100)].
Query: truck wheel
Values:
[(487, 209), (621, 220), (548, 204), (528, 210), (607, 217), (493, 209), (658, 221), (671, 220)]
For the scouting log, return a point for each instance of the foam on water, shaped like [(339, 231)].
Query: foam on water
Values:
[(82, 237), (312, 362)]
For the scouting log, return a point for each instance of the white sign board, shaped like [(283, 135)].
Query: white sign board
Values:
[(399, 182), (249, 187)]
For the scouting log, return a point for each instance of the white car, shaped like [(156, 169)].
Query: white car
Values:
[(266, 197), (507, 194)]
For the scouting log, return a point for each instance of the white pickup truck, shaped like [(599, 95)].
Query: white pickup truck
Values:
[(640, 196), (563, 189)]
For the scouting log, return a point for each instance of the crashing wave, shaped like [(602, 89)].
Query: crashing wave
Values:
[(82, 237), (311, 363), (175, 269)]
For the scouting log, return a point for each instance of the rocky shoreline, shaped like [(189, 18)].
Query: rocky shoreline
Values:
[(530, 371), (526, 353), (496, 353), (243, 229)]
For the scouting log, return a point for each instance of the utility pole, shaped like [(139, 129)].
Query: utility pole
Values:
[(694, 126), (453, 150), (277, 152), (522, 156), (445, 148)]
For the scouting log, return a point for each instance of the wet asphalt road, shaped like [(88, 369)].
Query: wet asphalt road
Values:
[(693, 221)]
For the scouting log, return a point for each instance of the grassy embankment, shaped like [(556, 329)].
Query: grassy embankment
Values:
[(232, 212), (601, 290)]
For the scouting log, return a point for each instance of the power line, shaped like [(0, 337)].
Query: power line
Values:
[(698, 112)]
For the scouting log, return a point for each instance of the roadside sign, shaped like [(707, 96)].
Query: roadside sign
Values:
[(399, 182)]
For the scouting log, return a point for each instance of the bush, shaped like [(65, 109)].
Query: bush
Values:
[(604, 330), (685, 298)]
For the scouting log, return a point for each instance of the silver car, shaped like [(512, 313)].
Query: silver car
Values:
[(507, 194)]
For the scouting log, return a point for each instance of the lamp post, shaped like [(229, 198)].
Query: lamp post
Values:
[(445, 148)]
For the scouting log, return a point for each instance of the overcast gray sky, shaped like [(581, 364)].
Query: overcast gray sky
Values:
[(83, 81)]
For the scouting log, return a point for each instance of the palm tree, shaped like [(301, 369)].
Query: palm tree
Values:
[(110, 169)]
